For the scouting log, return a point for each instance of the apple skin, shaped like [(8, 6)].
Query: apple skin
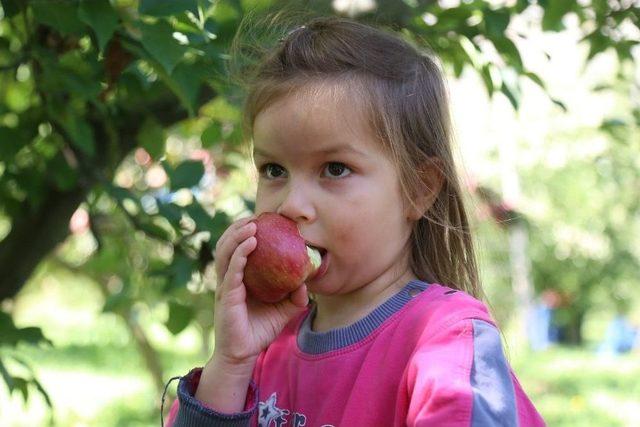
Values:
[(280, 263)]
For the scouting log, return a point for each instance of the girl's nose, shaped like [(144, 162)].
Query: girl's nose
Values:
[(297, 204)]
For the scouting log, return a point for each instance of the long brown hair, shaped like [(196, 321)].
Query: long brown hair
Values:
[(401, 91)]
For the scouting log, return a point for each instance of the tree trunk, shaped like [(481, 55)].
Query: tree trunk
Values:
[(573, 332), (33, 237)]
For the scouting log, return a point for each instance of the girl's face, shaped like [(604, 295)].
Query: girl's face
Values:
[(320, 166)]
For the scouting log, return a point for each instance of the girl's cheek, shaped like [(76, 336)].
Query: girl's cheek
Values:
[(343, 231), (266, 199)]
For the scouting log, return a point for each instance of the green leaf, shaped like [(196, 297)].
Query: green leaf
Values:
[(521, 5), (180, 271), (215, 225), (458, 66), (158, 41), (212, 135), (10, 7), (560, 104), (61, 15), (43, 392), (73, 72), (152, 138), (598, 43), (221, 109), (180, 316), (554, 11), (101, 17), (186, 80), (453, 17), (33, 381), (513, 96), (188, 174), (510, 88), (171, 212), (167, 7), (10, 142), (152, 229), (18, 95), (11, 335), (64, 176), (624, 49), (496, 21), (612, 125), (118, 302), (485, 73), (21, 385), (32, 335), (8, 378), (536, 79), (121, 194), (81, 133), (250, 204), (508, 49), (601, 87)]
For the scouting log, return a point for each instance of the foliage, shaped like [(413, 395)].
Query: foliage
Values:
[(83, 83), (585, 247), (14, 336)]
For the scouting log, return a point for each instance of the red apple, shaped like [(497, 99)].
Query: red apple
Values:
[(281, 261)]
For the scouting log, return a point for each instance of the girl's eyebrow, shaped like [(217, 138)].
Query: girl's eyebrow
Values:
[(327, 150)]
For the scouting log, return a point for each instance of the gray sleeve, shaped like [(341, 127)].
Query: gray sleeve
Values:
[(192, 413), (494, 401)]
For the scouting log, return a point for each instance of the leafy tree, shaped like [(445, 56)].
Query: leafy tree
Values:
[(585, 246)]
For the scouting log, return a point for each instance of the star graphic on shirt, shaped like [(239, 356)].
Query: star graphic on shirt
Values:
[(269, 412)]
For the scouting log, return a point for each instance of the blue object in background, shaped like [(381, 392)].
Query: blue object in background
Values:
[(619, 338), (541, 328), (542, 323)]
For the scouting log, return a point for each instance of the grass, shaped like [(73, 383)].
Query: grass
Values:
[(94, 375), (92, 386), (576, 387)]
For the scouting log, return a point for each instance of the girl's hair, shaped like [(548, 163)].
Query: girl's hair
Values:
[(401, 91)]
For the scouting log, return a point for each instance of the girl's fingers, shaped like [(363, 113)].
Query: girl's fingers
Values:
[(226, 247), (230, 231), (300, 297), (235, 273)]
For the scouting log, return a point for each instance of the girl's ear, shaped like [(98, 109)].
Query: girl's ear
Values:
[(432, 175)]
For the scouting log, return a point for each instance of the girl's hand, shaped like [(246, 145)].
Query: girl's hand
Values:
[(245, 326)]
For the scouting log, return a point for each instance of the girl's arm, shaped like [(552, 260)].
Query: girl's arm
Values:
[(243, 329), (223, 386), (189, 411), (461, 377)]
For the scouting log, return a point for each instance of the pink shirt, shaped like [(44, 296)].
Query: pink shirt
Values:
[(429, 356)]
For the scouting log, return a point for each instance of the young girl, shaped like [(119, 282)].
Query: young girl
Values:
[(351, 139)]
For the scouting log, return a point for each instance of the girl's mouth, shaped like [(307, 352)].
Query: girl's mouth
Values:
[(322, 269), (324, 265)]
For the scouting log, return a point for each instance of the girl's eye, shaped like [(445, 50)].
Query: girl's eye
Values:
[(272, 171), (337, 170)]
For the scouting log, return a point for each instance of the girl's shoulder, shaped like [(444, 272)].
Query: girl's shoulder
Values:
[(440, 305)]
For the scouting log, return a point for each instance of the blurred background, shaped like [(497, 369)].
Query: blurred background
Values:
[(122, 162)]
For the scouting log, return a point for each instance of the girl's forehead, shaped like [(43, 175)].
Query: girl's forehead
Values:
[(311, 115)]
